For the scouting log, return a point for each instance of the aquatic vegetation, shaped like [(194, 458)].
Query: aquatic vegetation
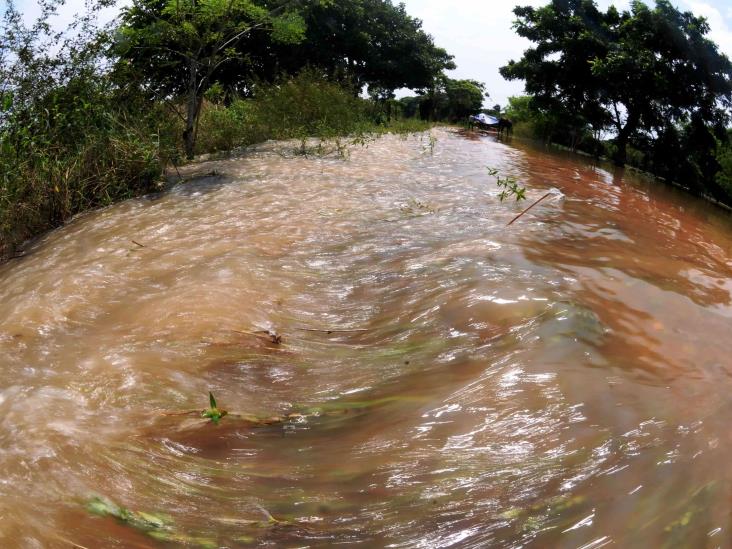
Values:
[(509, 185), (213, 413), (337, 408), (431, 142), (162, 527), (557, 511), (416, 208), (572, 320), (690, 510), (156, 525)]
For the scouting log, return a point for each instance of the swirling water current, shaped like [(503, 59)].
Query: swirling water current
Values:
[(561, 382)]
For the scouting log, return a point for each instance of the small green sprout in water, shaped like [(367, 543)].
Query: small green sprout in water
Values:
[(509, 185), (213, 413)]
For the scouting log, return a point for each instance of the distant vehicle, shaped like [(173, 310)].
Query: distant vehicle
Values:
[(483, 119), (487, 122)]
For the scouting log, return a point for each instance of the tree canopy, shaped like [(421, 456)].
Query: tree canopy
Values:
[(635, 72), (447, 99), (360, 42), (180, 47)]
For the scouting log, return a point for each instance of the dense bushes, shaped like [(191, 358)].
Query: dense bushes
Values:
[(723, 177), (64, 165), (67, 141), (294, 107), (308, 105), (449, 100)]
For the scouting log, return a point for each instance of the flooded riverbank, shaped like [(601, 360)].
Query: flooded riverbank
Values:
[(560, 382)]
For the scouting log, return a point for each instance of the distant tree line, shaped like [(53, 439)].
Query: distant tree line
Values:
[(446, 100)]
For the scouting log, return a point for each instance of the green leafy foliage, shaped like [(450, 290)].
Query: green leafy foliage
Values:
[(308, 105), (446, 99), (157, 526), (212, 412), (373, 43), (635, 73), (509, 186), (182, 47), (70, 139), (724, 176)]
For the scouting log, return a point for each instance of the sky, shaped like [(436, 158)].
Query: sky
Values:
[(479, 34)]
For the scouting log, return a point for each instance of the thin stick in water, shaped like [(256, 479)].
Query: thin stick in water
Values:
[(527, 209)]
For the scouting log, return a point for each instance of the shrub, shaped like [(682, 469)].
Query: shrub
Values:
[(307, 105), (68, 151)]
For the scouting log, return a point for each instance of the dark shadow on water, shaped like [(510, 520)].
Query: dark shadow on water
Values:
[(203, 184)]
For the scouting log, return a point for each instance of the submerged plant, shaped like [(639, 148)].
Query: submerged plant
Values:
[(415, 208), (431, 142), (509, 185), (156, 525), (213, 413)]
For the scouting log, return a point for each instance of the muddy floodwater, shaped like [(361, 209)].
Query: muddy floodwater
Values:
[(442, 380)]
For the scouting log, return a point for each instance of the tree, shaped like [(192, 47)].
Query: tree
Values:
[(410, 106), (557, 71), (632, 72), (180, 47), (464, 97), (359, 43), (447, 99)]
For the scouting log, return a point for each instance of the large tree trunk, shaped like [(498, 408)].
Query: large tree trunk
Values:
[(621, 155), (193, 105)]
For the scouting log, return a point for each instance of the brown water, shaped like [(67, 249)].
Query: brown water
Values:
[(565, 381)]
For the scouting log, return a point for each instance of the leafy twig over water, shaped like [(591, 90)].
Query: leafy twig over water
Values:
[(509, 185)]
